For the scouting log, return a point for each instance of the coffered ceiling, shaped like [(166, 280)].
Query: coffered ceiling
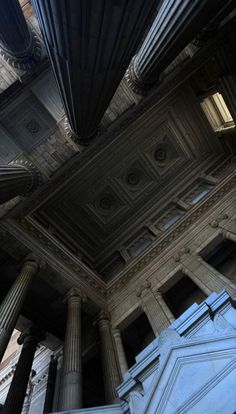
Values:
[(121, 191)]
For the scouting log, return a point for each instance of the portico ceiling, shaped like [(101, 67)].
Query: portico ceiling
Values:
[(117, 194)]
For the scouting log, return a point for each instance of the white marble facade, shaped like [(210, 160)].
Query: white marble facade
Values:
[(190, 367)]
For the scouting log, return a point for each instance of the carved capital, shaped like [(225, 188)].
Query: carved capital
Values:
[(76, 295), (33, 334), (30, 261), (144, 289), (102, 318), (134, 80)]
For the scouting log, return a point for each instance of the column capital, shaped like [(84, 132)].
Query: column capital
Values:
[(116, 332), (103, 317), (33, 333), (76, 295), (30, 261), (144, 289)]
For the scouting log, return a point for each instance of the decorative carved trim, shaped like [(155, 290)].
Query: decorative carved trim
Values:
[(41, 238), (30, 59), (167, 239)]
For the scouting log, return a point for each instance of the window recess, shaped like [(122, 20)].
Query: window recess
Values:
[(217, 112)]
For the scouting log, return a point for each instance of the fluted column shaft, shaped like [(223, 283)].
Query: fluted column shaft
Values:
[(176, 24), (18, 44), (51, 382), (164, 306), (17, 180), (153, 309), (90, 53), (120, 351), (71, 391), (111, 373), (16, 394), (11, 305), (207, 275)]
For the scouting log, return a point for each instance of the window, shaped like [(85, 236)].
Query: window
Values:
[(199, 194), (217, 112), (171, 220), (140, 245)]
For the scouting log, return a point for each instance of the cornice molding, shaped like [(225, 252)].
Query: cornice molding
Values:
[(28, 232)]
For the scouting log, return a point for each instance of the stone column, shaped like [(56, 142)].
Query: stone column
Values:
[(18, 44), (71, 390), (176, 24), (152, 308), (16, 394), (111, 373), (17, 180), (51, 382), (11, 305), (164, 306), (90, 60), (208, 276), (120, 351)]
